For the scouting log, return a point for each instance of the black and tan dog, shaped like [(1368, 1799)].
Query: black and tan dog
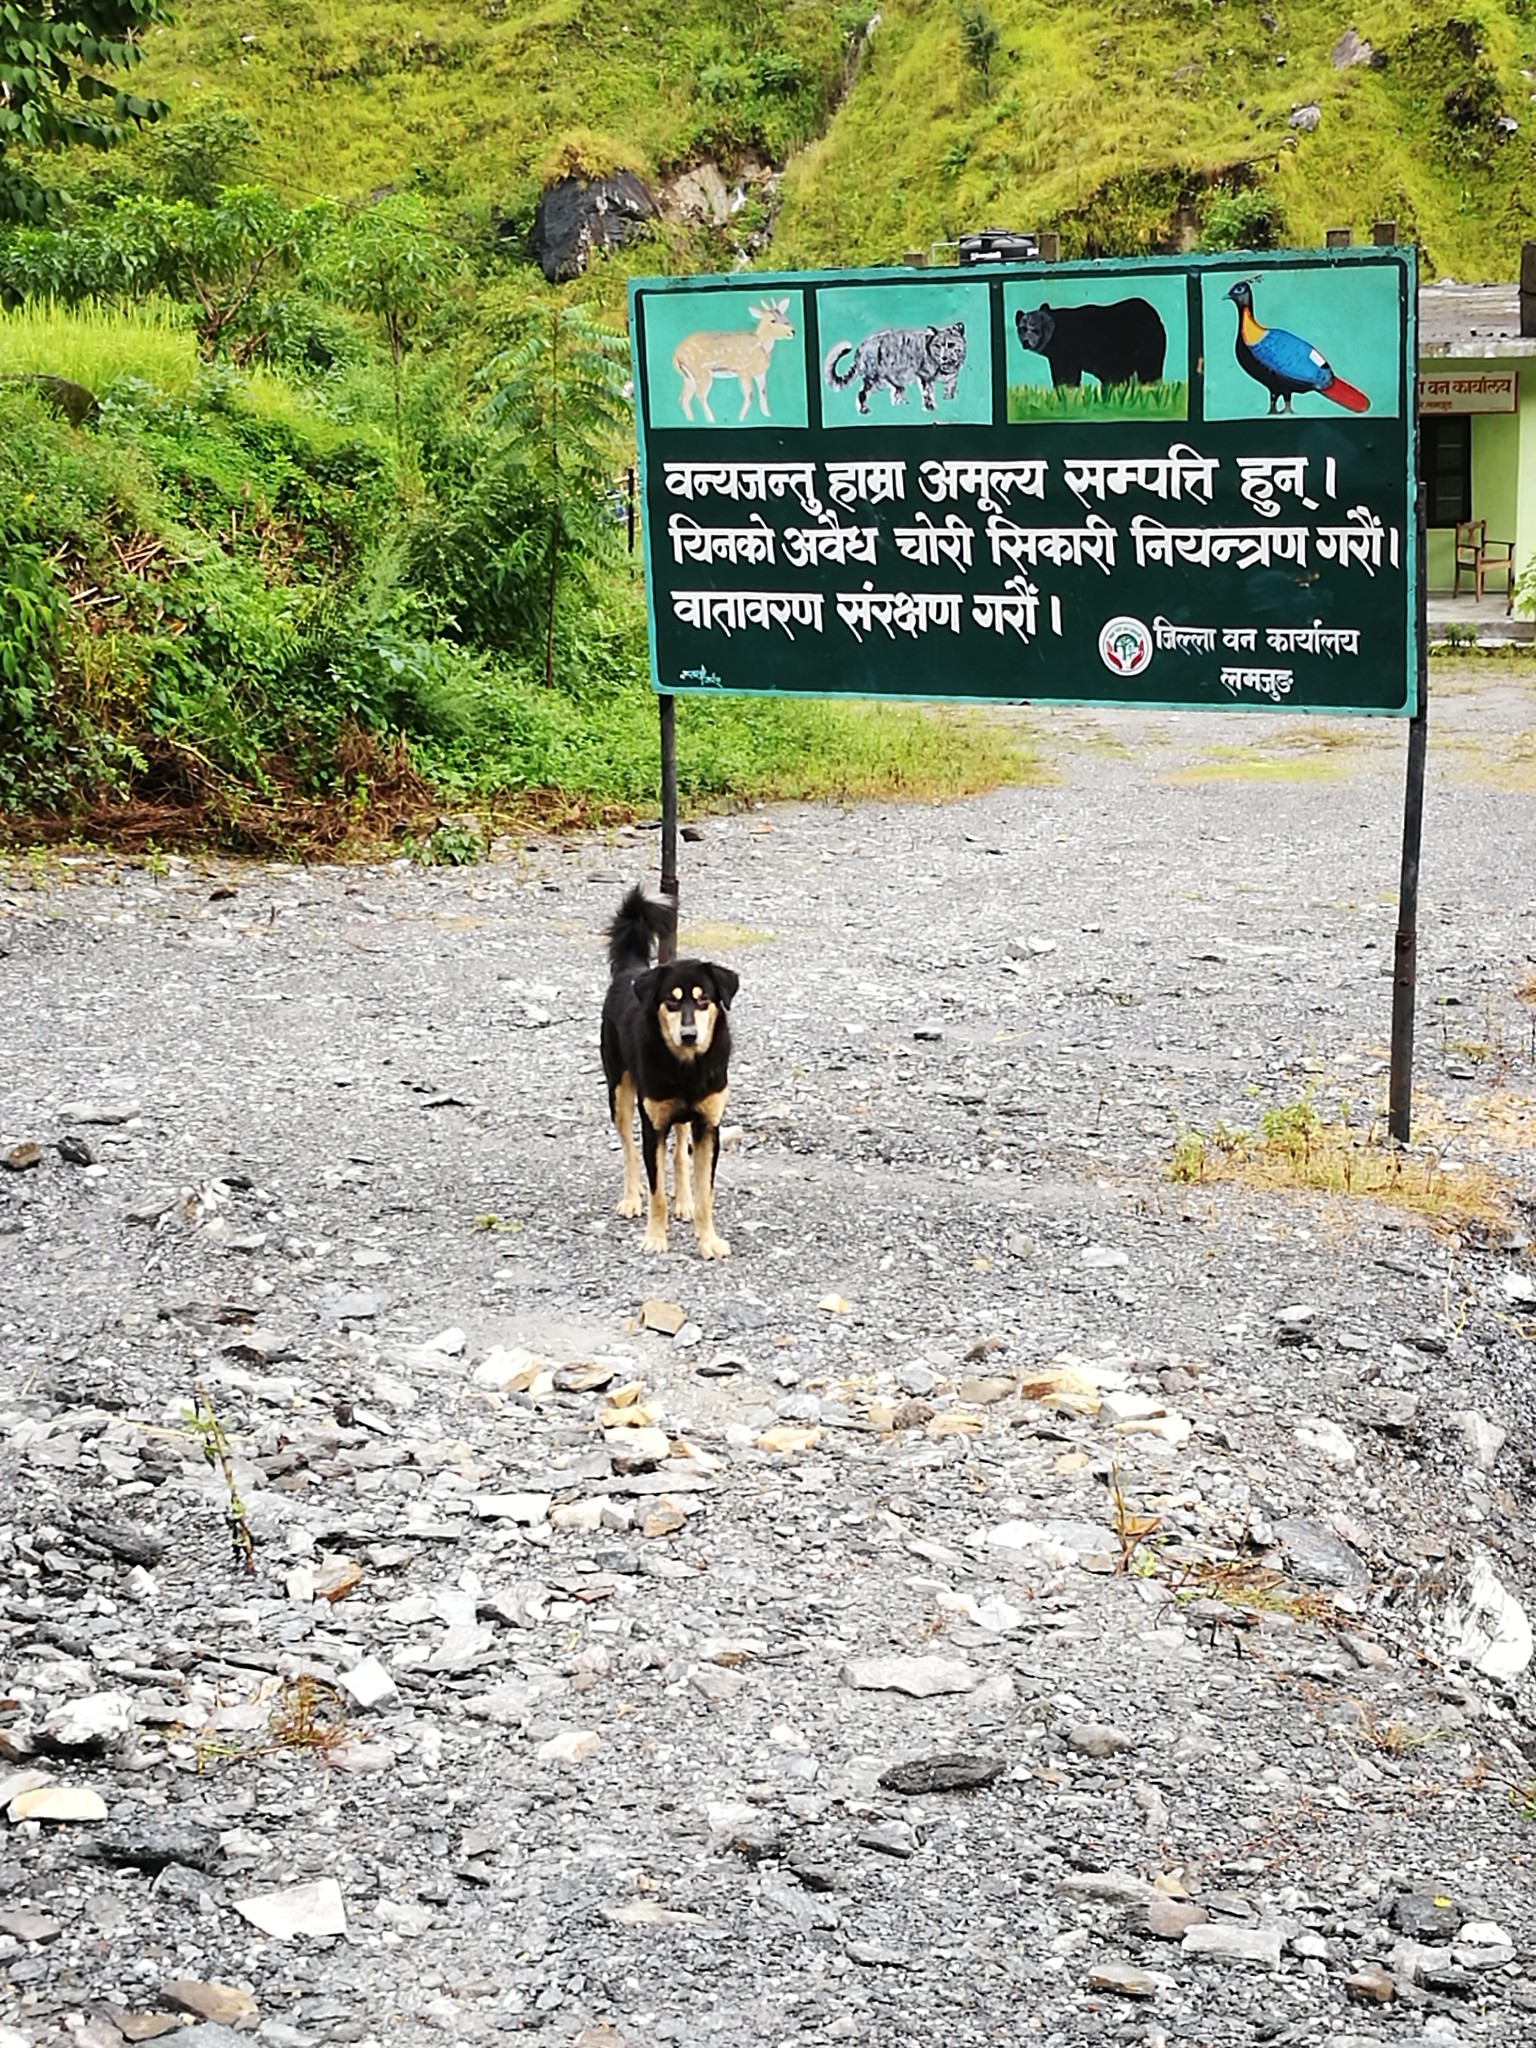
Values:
[(666, 1050)]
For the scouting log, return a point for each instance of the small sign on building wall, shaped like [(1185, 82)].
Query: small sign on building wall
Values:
[(1471, 391)]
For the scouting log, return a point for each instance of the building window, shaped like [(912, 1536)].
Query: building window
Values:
[(1447, 459)]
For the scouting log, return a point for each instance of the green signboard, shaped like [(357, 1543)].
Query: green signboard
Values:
[(1176, 482)]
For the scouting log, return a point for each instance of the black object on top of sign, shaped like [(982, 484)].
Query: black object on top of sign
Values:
[(1176, 482)]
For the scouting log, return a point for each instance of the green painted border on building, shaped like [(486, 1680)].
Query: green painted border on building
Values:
[(983, 484)]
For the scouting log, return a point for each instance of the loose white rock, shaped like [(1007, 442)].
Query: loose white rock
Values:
[(369, 1683), (1327, 1440), (1486, 1626), (94, 1722), (314, 1910), (571, 1746), (921, 1677)]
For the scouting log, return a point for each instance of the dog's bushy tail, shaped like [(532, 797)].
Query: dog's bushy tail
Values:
[(639, 921)]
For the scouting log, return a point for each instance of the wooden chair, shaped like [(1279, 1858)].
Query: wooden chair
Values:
[(1478, 555)]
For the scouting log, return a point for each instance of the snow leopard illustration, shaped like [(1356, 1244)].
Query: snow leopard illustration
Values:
[(899, 356)]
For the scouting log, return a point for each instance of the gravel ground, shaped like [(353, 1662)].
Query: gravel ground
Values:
[(562, 1700)]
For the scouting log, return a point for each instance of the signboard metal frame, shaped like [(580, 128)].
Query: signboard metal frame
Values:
[(750, 373)]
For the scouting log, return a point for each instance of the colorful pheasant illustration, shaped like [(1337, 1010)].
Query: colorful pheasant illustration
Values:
[(1283, 363)]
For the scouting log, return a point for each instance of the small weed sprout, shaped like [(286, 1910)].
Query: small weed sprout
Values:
[(1132, 1530), (306, 1714), (204, 1423), (452, 843)]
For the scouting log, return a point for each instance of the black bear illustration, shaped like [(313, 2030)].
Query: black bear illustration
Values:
[(1120, 344)]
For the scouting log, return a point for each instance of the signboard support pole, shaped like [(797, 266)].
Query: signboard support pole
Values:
[(1405, 945), (668, 946)]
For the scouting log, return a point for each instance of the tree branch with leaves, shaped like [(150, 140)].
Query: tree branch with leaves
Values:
[(52, 95)]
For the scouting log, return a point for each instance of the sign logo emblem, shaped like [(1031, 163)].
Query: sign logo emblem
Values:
[(1125, 646)]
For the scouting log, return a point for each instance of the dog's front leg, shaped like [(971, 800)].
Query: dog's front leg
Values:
[(706, 1145), (630, 1202), (654, 1145), (682, 1173)]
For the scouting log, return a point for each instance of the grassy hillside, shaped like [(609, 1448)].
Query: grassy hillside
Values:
[(475, 97), (1104, 120)]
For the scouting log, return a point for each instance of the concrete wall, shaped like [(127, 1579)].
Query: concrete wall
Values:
[(1503, 469)]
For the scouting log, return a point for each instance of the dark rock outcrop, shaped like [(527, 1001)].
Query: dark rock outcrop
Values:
[(577, 215)]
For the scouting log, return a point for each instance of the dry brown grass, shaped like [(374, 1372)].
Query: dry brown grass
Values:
[(1296, 1146), (1251, 1589)]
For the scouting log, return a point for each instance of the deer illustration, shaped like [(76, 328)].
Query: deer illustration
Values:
[(700, 358)]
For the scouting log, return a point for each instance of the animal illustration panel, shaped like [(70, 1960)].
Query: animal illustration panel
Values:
[(904, 356), (1298, 341), (897, 358), (729, 359), (1087, 347)]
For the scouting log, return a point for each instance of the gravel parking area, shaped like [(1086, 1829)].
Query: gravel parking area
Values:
[(1016, 1598)]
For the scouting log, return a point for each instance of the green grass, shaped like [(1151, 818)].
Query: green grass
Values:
[(1248, 764), (1103, 119), (1165, 400), (513, 735), (98, 346), (477, 96), (1100, 119)]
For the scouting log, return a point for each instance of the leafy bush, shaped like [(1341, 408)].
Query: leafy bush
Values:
[(1245, 218)]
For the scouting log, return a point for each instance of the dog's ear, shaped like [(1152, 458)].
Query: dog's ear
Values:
[(644, 986), (727, 981)]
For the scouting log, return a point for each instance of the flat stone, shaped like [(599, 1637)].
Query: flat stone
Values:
[(227, 2005), (465, 1646), (21, 1158), (1111, 1887), (890, 1838), (1124, 1979), (152, 1846), (1168, 1919), (636, 1450), (1427, 1916), (920, 1677), (1098, 1738), (957, 1773), (1484, 1934), (505, 1705), (528, 1509), (126, 1540), (1370, 1985), (100, 1113), (1317, 1557), (94, 1723), (58, 1803), (22, 1924), (1260, 1945), (1483, 1438), (1326, 1440), (146, 2026), (369, 1683), (1486, 1626), (879, 1955), (313, 1910), (571, 1746)]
